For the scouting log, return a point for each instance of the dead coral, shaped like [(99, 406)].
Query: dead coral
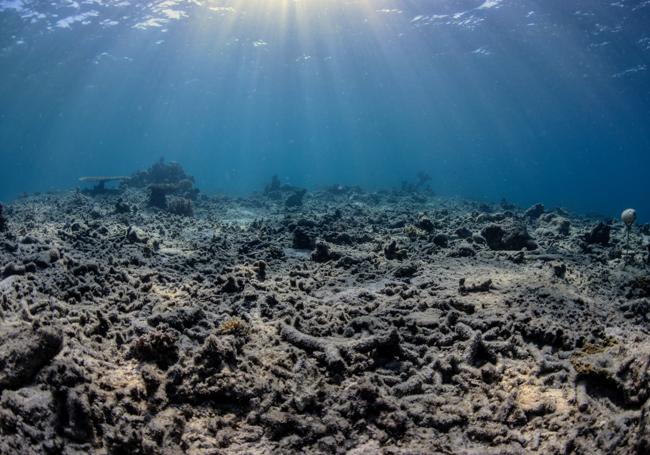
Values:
[(180, 206), (323, 253), (392, 251), (465, 288), (122, 207), (160, 172), (157, 346), (296, 199), (413, 232), (24, 350), (3, 220), (158, 193), (334, 349), (234, 326), (508, 237)]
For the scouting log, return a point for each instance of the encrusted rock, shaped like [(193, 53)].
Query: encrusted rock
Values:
[(136, 235), (24, 350), (600, 234), (302, 239), (534, 212), (510, 237)]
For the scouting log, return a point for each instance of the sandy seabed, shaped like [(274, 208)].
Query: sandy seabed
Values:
[(355, 322)]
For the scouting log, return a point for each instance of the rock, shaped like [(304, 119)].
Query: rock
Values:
[(636, 309), (54, 255), (534, 212), (391, 251), (136, 235), (179, 319), (406, 271), (322, 253), (510, 238), (121, 207), (621, 374), (553, 226), (642, 443), (467, 288), (79, 420), (158, 194), (28, 422), (296, 199), (158, 346), (493, 235), (10, 247), (425, 224), (161, 172), (181, 206), (562, 226), (441, 240), (477, 238), (217, 351), (233, 285), (302, 239), (260, 270), (464, 250), (24, 350), (13, 269), (163, 433), (463, 233), (559, 270), (339, 238), (44, 259), (600, 235)]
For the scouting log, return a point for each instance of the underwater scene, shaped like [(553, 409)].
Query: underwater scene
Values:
[(357, 227)]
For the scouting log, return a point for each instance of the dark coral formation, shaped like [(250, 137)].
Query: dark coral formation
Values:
[(169, 187), (24, 350), (180, 206), (296, 199), (508, 237), (276, 190), (534, 212), (159, 173), (599, 234), (394, 324)]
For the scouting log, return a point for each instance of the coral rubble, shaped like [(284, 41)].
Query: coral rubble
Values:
[(342, 322)]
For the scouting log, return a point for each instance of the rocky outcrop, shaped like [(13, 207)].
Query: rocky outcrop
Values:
[(600, 234), (24, 350), (534, 212), (508, 237)]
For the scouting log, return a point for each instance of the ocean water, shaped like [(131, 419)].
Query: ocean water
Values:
[(532, 101)]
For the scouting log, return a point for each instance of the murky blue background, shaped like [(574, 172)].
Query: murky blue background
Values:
[(532, 101)]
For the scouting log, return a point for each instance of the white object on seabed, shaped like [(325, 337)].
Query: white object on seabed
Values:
[(628, 217)]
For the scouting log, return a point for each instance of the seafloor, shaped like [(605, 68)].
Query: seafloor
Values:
[(338, 321)]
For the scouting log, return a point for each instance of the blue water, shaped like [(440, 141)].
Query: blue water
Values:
[(535, 101)]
